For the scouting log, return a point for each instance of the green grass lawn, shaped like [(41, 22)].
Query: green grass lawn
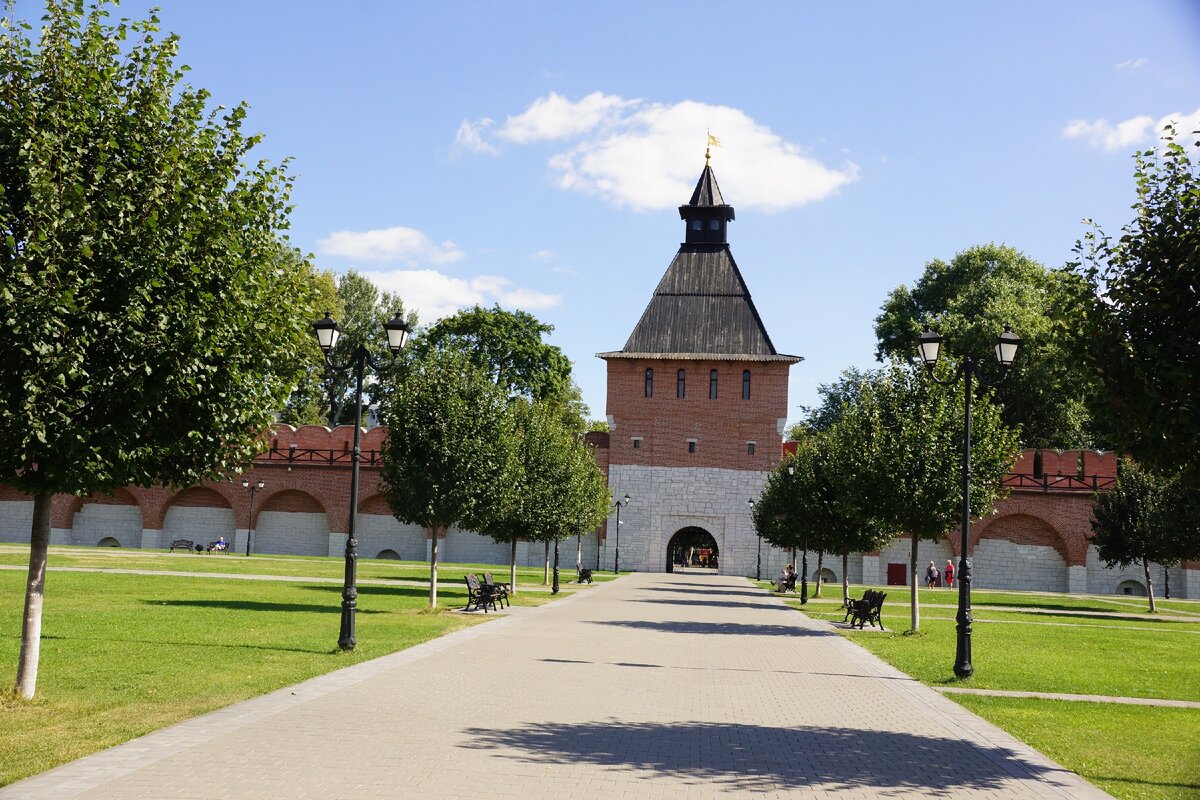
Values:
[(290, 566), (123, 655), (1133, 752)]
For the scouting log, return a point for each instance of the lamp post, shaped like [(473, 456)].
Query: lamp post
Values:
[(929, 345), (327, 333), (758, 563), (803, 556), (253, 489), (619, 505)]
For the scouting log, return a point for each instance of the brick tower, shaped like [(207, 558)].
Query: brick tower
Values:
[(697, 403)]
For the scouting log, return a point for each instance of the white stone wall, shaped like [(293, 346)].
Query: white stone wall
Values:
[(1105, 580), (467, 547), (1001, 564), (666, 499), (1191, 584), (899, 551), (201, 525), (292, 533), (95, 522), (16, 520), (379, 532)]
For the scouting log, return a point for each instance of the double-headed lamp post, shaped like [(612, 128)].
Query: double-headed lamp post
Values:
[(758, 563), (803, 558), (327, 332), (624, 501), (929, 345), (253, 489)]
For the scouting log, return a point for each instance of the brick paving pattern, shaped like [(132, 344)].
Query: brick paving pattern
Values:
[(653, 686)]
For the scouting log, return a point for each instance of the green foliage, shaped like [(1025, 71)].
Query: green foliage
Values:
[(450, 455), (969, 300), (309, 402), (508, 346), (1144, 346), (153, 328), (1146, 518)]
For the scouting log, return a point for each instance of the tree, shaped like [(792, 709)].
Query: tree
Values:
[(1144, 331), (1146, 518), (449, 457), (309, 401), (508, 346), (901, 443), (152, 330), (970, 299)]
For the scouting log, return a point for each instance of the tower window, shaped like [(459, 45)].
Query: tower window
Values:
[(681, 386), (749, 448), (691, 445), (697, 225), (714, 225), (649, 383), (712, 385), (746, 384), (637, 443)]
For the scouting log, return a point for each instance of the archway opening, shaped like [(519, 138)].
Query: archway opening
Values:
[(692, 548), (108, 541), (1132, 587), (390, 555)]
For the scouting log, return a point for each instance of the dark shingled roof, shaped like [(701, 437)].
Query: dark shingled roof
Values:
[(702, 308), (707, 192)]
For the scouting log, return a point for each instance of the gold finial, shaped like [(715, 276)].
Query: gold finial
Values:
[(712, 142)]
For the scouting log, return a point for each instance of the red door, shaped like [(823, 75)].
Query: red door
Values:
[(897, 574)]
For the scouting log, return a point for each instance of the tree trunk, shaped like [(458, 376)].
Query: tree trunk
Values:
[(820, 563), (546, 572), (578, 553), (433, 561), (35, 586), (512, 568), (1145, 568), (914, 598), (845, 580)]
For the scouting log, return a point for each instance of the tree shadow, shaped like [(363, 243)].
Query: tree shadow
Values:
[(747, 757), (727, 628), (416, 592), (710, 591), (205, 645), (717, 603), (259, 605)]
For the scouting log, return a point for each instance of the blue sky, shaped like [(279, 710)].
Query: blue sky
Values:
[(533, 154)]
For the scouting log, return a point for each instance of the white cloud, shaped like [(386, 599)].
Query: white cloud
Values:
[(544, 255), (1133, 63), (647, 155), (1135, 131), (469, 137), (435, 295), (407, 245), (556, 117)]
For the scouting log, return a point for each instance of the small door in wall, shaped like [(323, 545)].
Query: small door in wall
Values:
[(897, 574)]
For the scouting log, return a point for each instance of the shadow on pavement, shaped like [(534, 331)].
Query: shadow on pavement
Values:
[(709, 592), (720, 603), (745, 757), (730, 628)]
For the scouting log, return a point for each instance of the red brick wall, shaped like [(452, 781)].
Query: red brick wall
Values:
[(721, 427)]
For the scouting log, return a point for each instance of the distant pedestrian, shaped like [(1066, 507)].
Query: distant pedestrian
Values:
[(931, 576), (949, 574)]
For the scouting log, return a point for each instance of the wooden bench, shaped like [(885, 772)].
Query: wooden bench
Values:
[(183, 544), (478, 595), (868, 609), (213, 548), (583, 575)]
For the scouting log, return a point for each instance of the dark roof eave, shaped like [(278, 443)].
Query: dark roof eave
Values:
[(701, 357)]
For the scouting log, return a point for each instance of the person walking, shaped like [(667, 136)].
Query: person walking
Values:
[(949, 573), (931, 576)]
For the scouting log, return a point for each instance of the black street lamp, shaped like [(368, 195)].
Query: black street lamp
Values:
[(929, 345), (804, 558), (758, 563), (554, 586), (253, 489), (617, 560), (327, 333)]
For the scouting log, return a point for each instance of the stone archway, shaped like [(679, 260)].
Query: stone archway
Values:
[(693, 543)]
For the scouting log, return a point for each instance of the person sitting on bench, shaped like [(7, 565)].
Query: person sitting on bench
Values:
[(219, 544), (787, 581)]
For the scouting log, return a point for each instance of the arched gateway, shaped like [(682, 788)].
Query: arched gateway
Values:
[(692, 547)]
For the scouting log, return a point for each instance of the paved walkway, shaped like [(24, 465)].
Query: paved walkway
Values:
[(653, 686)]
